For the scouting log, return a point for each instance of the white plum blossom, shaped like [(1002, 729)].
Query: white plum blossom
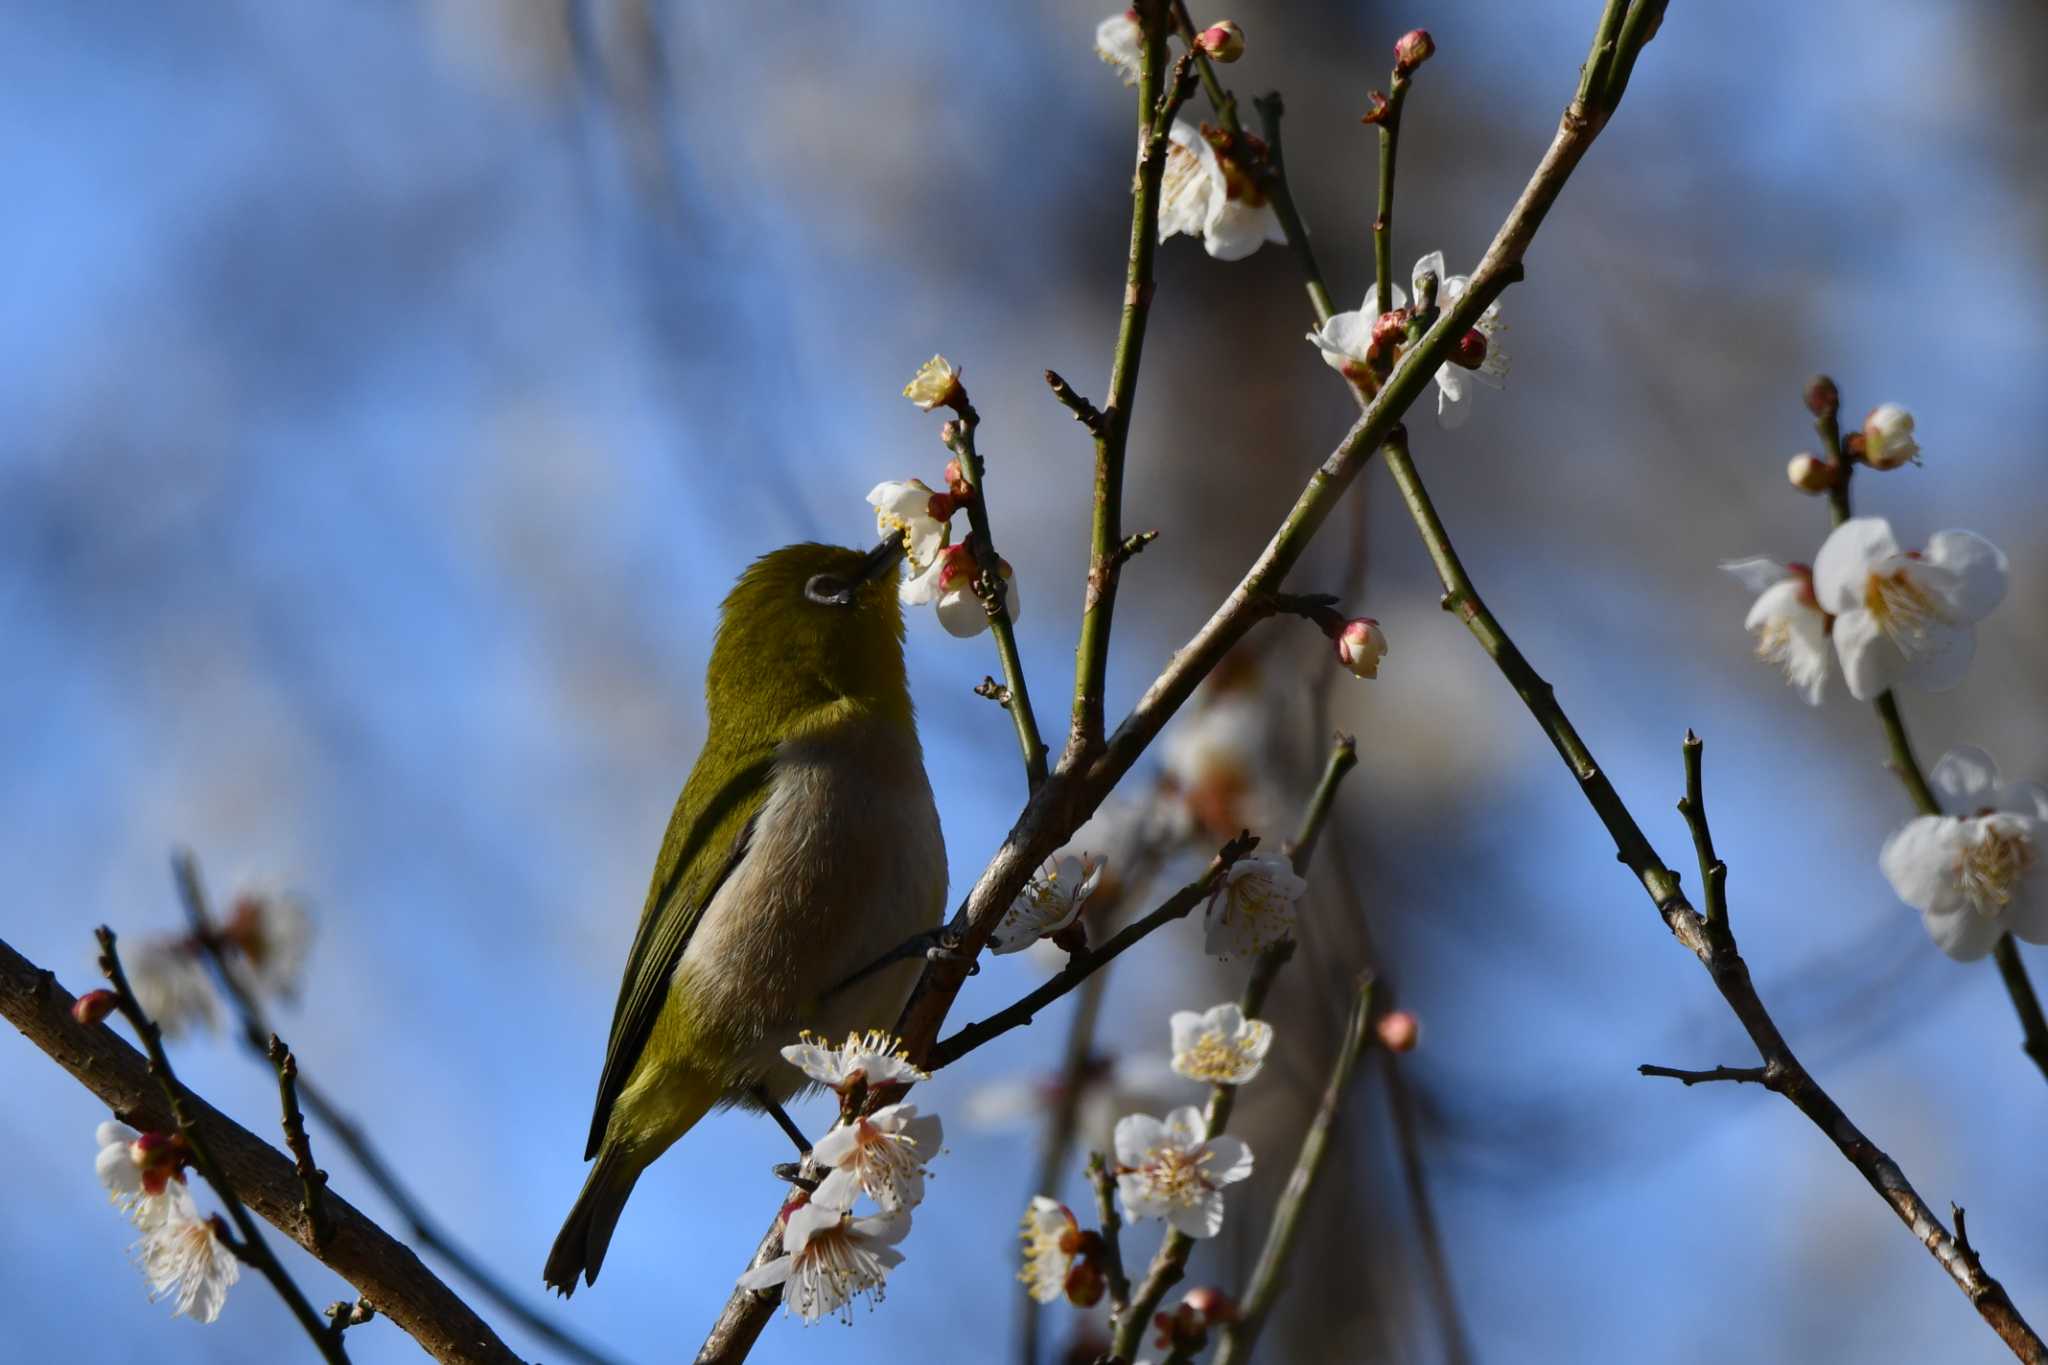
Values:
[(948, 584), (1219, 1045), (181, 1257), (1048, 903), (1167, 1169), (936, 384), (882, 1155), (1973, 877), (829, 1258), (1905, 616), (1052, 1238), (1888, 437), (269, 935), (1345, 341), (178, 1251), (921, 516), (1790, 628), (1361, 644), (171, 985), (1254, 907), (1205, 194), (1121, 42), (876, 1057)]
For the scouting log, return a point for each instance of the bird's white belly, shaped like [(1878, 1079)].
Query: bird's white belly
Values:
[(845, 863)]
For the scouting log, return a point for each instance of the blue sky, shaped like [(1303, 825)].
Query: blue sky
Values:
[(392, 394)]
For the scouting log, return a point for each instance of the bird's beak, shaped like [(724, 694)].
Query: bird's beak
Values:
[(880, 560)]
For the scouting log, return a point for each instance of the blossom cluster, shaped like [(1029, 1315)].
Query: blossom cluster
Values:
[(1172, 1169), (1973, 876), (830, 1256), (1891, 617), (181, 1255), (1365, 344)]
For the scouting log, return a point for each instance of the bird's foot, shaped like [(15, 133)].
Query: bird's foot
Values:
[(933, 945)]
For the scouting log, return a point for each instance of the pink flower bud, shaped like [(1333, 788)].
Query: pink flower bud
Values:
[(93, 1006), (1212, 1303), (1361, 645), (1389, 330), (1809, 473), (1398, 1030), (1822, 398), (1470, 351), (1413, 49), (1224, 42)]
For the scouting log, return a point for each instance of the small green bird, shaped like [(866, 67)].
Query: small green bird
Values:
[(804, 848)]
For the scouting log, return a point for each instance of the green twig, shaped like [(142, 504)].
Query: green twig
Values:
[(1170, 1262), (1104, 1183), (1091, 656), (1264, 1285), (1276, 186), (959, 438)]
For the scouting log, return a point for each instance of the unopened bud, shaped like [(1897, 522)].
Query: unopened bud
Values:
[(1413, 49), (1809, 473), (935, 385), (93, 1006), (1361, 644), (1212, 1303), (1390, 329), (1377, 113), (956, 483), (1183, 1331), (1823, 399), (1224, 41), (1888, 437), (1085, 1283), (1470, 351), (1398, 1030)]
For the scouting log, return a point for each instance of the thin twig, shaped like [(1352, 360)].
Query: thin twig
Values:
[(1264, 1285), (1170, 1262), (1017, 697), (1693, 806), (1085, 963), (1716, 951), (343, 1129), (1753, 1075), (1085, 412), (250, 1244), (1104, 1183), (1112, 436), (1275, 183), (1388, 118), (312, 1179)]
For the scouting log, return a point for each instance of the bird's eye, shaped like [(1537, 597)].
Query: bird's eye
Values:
[(829, 590)]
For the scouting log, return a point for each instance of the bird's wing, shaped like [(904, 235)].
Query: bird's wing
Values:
[(707, 836)]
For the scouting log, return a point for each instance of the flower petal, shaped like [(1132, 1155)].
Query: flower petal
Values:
[(1980, 569), (1230, 1160), (1869, 660), (1200, 1217), (1940, 658), (1841, 571), (1963, 934), (1755, 573), (1137, 1134), (1919, 861)]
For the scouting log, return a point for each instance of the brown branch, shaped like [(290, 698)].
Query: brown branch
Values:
[(1714, 947), (382, 1269), (343, 1129), (1754, 1075), (1104, 1183), (312, 1180)]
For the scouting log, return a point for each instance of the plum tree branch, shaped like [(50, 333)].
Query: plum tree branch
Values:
[(342, 1127), (1713, 946), (383, 1270)]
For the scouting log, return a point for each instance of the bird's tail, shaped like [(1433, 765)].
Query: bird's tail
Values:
[(580, 1246)]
